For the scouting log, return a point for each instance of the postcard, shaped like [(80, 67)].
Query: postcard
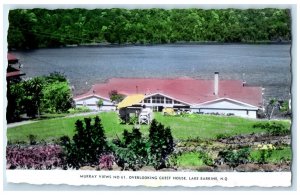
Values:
[(151, 97)]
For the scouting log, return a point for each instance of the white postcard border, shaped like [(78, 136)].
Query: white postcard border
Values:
[(151, 179), (237, 179)]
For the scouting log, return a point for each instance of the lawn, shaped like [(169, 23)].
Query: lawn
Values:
[(203, 126), (209, 126), (189, 159), (53, 129)]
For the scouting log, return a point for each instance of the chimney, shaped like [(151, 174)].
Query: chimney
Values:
[(216, 88), (244, 82)]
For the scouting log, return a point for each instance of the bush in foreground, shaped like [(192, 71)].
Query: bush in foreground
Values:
[(88, 144), (235, 157), (132, 151), (161, 144)]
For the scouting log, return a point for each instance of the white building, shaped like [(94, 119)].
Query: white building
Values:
[(228, 97), (91, 101)]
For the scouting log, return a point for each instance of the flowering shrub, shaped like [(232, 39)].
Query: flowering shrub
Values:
[(265, 147), (34, 157), (106, 161), (265, 152)]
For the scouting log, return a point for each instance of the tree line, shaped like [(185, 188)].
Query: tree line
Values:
[(34, 28)]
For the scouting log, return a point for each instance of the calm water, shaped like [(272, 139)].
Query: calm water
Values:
[(263, 65)]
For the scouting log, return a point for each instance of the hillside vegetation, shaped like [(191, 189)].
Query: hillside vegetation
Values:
[(32, 28)]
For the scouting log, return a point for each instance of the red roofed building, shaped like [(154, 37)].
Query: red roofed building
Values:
[(13, 75), (12, 72), (229, 97)]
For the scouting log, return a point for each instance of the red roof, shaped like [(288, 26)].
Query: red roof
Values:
[(11, 58), (188, 90), (14, 74), (11, 71)]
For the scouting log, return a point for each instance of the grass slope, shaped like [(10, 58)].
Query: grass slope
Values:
[(209, 126), (53, 129), (203, 126)]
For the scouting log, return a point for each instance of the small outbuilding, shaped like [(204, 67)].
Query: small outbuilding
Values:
[(130, 107)]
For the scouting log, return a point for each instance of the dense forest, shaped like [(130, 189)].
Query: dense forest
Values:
[(33, 28)]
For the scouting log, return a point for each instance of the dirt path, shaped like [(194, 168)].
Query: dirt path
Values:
[(10, 125), (15, 124)]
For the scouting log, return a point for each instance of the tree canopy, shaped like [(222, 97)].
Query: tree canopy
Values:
[(32, 28), (47, 94)]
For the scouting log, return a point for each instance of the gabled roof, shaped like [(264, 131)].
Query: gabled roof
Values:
[(225, 99), (167, 96), (88, 95), (191, 91)]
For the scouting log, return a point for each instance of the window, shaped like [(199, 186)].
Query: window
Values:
[(168, 101), (147, 100), (176, 102), (158, 100)]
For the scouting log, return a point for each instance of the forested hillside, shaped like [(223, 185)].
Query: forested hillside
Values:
[(51, 28)]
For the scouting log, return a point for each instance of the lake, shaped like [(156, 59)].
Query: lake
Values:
[(263, 65)]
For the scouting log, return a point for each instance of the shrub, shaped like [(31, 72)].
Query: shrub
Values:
[(34, 157), (206, 159), (127, 159), (222, 136), (132, 152), (106, 161), (99, 103), (275, 129), (235, 157), (265, 152), (89, 143), (133, 120), (79, 109), (173, 159), (32, 139), (161, 144)]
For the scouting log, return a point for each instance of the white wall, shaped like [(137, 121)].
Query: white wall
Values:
[(226, 107), (226, 104), (91, 103)]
